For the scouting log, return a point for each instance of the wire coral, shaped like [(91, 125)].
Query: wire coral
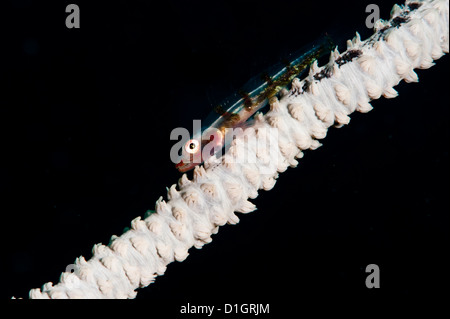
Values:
[(416, 34)]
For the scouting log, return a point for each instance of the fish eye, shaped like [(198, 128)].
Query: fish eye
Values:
[(192, 146)]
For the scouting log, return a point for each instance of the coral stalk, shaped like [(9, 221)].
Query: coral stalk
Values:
[(416, 35)]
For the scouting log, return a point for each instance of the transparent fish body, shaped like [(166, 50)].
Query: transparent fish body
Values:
[(233, 113)]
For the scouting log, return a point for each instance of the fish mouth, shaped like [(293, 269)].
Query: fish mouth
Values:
[(184, 167)]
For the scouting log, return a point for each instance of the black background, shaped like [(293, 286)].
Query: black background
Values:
[(86, 116)]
